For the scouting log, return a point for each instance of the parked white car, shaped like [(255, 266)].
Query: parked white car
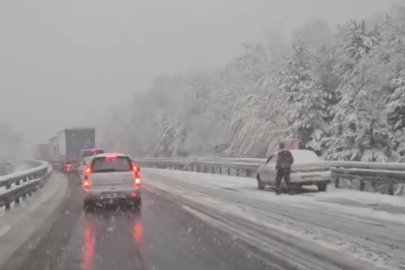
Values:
[(307, 169)]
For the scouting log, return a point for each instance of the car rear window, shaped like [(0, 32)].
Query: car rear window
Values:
[(304, 156), (89, 153), (107, 164)]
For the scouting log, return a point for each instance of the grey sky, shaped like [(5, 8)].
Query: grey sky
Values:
[(63, 63)]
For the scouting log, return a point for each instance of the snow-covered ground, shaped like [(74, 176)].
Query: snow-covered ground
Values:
[(340, 229), (18, 167), (19, 223)]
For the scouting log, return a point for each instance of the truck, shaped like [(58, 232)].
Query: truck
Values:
[(70, 142), (41, 152), (53, 152)]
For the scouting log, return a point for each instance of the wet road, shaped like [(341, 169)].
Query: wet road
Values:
[(161, 236)]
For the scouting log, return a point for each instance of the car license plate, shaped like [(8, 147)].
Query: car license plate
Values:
[(109, 196)]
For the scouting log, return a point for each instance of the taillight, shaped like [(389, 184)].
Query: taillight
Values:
[(88, 170), (68, 166), (134, 167), (137, 181), (86, 184)]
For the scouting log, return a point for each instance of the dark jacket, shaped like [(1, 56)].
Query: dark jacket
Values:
[(284, 159)]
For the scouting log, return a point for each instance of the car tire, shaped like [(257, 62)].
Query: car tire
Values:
[(260, 184), (136, 204), (88, 206), (322, 187)]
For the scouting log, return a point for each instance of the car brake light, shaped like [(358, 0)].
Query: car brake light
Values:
[(86, 184), (88, 170), (110, 157), (68, 165), (137, 182), (134, 167)]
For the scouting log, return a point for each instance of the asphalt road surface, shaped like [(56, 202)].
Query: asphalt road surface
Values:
[(161, 236)]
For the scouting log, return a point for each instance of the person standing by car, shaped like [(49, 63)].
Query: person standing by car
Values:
[(284, 162)]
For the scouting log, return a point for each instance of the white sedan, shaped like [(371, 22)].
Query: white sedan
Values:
[(307, 169)]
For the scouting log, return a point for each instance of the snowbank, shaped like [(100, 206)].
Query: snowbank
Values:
[(356, 225)]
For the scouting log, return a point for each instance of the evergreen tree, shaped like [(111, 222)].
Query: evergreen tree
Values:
[(304, 94)]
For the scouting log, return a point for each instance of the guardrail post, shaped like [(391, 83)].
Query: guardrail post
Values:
[(391, 188), (7, 205), (198, 168), (212, 169), (337, 182), (220, 169), (237, 172), (17, 200), (229, 171), (362, 184), (205, 169), (248, 172)]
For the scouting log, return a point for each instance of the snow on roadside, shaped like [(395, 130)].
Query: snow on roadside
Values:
[(356, 206), (355, 203)]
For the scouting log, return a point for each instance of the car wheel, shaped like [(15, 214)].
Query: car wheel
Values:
[(136, 204), (322, 187), (260, 184)]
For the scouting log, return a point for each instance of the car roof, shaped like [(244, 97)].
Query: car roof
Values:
[(301, 151), (110, 154)]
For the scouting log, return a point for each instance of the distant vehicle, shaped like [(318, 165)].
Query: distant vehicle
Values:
[(111, 179), (90, 152), (82, 167), (53, 152), (41, 152), (307, 169), (70, 143)]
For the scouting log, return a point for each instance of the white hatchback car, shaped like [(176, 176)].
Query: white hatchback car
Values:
[(307, 169), (110, 179)]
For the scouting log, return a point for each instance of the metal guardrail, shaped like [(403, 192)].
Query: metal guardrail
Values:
[(375, 172), (19, 185)]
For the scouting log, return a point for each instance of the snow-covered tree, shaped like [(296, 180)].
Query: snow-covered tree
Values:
[(260, 120), (304, 94), (329, 80), (391, 53), (361, 117)]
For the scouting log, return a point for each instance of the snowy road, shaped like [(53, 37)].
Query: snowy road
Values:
[(202, 221), (340, 229), (162, 236)]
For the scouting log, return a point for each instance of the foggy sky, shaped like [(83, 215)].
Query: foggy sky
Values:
[(65, 63)]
